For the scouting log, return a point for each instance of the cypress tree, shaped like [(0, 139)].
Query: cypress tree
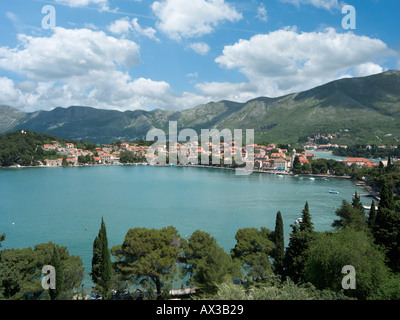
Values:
[(372, 215), (279, 250), (306, 224), (101, 261), (389, 164), (106, 259), (356, 202), (386, 229), (296, 254), (387, 200), (56, 263)]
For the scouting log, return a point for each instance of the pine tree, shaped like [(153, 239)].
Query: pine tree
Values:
[(279, 241), (101, 261)]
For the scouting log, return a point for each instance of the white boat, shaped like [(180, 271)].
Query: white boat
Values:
[(312, 179), (334, 191), (298, 220)]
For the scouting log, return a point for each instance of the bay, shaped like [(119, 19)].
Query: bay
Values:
[(65, 205)]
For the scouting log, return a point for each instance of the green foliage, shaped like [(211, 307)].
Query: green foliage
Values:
[(22, 148), (25, 148), (130, 157), (208, 264), (20, 271), (253, 248), (297, 251), (56, 263), (278, 253), (286, 290), (149, 254), (366, 151), (306, 224), (329, 252), (101, 262), (351, 215), (2, 238)]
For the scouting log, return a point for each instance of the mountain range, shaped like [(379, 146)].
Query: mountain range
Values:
[(364, 109)]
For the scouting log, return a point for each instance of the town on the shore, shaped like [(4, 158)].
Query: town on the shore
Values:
[(268, 158)]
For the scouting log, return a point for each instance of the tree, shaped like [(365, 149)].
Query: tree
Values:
[(356, 202), (196, 248), (389, 164), (330, 252), (350, 216), (386, 232), (149, 255), (2, 238), (372, 215), (306, 224), (21, 271), (279, 244), (56, 263), (70, 270), (207, 264), (386, 196), (297, 167), (253, 248), (296, 252), (18, 273), (101, 261), (386, 229)]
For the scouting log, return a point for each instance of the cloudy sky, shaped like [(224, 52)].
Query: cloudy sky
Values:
[(176, 54)]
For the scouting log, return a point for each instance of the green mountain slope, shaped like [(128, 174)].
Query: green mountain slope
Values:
[(367, 108)]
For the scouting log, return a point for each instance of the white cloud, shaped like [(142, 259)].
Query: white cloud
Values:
[(367, 69), (120, 26), (262, 13), (78, 66), (124, 26), (68, 53), (8, 92), (322, 4), (102, 4), (240, 92), (194, 18), (192, 75), (147, 32), (286, 61), (200, 48), (82, 67)]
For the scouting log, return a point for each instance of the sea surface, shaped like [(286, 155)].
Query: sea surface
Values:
[(65, 205)]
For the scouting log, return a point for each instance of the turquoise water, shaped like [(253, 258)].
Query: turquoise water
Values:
[(65, 205)]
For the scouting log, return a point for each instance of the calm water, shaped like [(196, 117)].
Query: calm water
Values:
[(65, 205)]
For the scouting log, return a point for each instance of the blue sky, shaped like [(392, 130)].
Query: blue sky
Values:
[(176, 54)]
